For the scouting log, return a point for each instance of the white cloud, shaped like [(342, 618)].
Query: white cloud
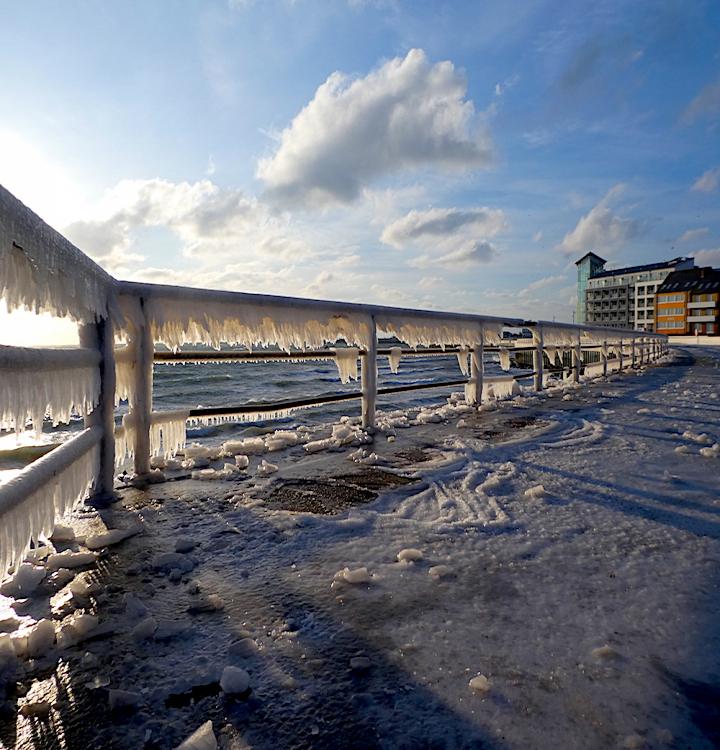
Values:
[(600, 228), (693, 234), (468, 254), (707, 102), (708, 181), (541, 284), (442, 223), (406, 114), (708, 257), (209, 221)]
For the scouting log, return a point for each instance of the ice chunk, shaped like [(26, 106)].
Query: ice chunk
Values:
[(281, 439), (62, 534), (713, 452), (535, 492), (359, 575), (409, 555), (134, 607), (480, 684), (234, 680), (36, 709), (26, 579), (202, 738), (440, 571), (184, 544), (108, 538), (70, 560), (168, 561), (242, 461), (40, 639), (265, 469), (249, 447), (604, 652), (144, 629)]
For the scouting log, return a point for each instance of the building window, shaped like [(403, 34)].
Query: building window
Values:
[(665, 312)]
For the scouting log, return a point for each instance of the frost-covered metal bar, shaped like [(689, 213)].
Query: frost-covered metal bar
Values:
[(538, 357), (99, 336), (368, 377), (477, 369), (604, 357), (42, 271), (56, 382), (577, 360), (142, 345), (33, 500)]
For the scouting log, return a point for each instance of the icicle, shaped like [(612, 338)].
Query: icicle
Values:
[(504, 359), (347, 363), (32, 501), (417, 330), (124, 373), (394, 359), (167, 434), (553, 355), (43, 272), (56, 382), (462, 358), (500, 387)]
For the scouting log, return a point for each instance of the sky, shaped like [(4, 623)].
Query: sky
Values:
[(447, 155)]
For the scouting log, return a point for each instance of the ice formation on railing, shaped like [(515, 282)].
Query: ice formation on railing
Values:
[(504, 359), (124, 373), (462, 358), (346, 361), (553, 356), (58, 480), (498, 387), (167, 434), (56, 382), (194, 318), (417, 330), (250, 416), (594, 369), (41, 271), (394, 359)]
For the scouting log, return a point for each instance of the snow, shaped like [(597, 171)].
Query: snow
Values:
[(56, 382), (346, 361), (409, 555), (34, 268)]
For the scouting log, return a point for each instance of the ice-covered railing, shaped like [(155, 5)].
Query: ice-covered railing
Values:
[(176, 316), (120, 324), (43, 272)]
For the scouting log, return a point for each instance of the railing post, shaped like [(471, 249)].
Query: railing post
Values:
[(632, 353), (100, 336), (141, 398), (368, 375), (538, 357), (604, 356), (577, 361), (621, 353), (477, 369)]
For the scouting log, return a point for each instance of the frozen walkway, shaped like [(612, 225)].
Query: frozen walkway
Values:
[(580, 539)]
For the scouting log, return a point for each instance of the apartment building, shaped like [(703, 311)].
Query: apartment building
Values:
[(688, 302), (621, 297)]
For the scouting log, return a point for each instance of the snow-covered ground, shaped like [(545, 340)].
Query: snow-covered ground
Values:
[(548, 579)]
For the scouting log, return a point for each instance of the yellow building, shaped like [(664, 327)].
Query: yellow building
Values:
[(688, 302)]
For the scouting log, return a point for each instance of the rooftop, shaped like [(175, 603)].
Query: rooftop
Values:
[(639, 269), (704, 279), (594, 255)]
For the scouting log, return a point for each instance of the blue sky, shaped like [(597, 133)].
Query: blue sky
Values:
[(458, 155)]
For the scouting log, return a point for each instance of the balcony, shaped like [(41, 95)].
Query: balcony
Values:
[(702, 318), (696, 305)]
